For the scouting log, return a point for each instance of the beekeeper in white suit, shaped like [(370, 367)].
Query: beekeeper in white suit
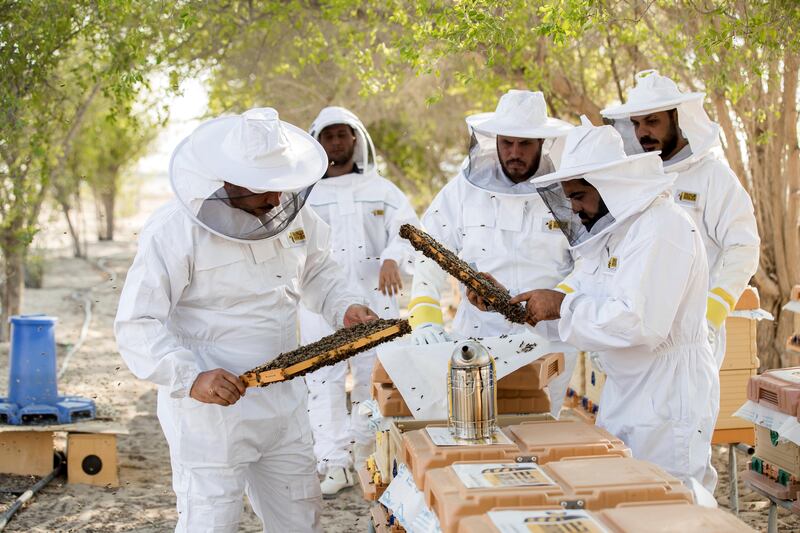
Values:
[(213, 291), (493, 218), (637, 298), (365, 212), (658, 116)]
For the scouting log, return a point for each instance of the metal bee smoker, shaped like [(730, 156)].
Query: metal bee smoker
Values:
[(471, 395)]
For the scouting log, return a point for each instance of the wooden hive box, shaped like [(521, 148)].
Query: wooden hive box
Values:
[(540, 442), (741, 351), (467, 489), (781, 453), (634, 518), (732, 395)]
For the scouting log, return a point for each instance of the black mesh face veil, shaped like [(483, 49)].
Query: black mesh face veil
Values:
[(569, 222), (219, 214)]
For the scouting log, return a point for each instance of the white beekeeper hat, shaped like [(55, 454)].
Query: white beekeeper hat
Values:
[(653, 93), (255, 150), (627, 184), (519, 114)]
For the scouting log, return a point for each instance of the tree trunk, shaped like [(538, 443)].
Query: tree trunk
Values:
[(14, 270), (77, 248), (108, 199)]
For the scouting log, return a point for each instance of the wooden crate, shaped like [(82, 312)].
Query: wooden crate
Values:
[(783, 454), (732, 395), (26, 453), (92, 459)]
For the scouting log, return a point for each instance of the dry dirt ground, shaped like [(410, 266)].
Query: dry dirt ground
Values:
[(145, 502)]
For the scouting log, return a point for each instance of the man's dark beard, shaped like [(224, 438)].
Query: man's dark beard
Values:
[(589, 222), (343, 160), (669, 144), (528, 173)]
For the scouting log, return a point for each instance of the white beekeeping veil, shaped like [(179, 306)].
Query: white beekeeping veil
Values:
[(521, 114), (255, 151)]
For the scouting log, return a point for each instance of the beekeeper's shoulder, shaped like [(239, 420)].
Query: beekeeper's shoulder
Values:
[(169, 226)]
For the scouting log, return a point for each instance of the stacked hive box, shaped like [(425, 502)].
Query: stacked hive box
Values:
[(520, 392), (382, 466), (653, 518), (775, 467), (467, 489), (740, 364), (539, 442)]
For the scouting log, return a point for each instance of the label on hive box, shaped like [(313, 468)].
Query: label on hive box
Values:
[(501, 475), (441, 436), (793, 375), (556, 521)]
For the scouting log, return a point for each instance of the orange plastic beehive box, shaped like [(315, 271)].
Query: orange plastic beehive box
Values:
[(593, 484), (540, 442), (772, 479), (537, 402), (776, 389), (533, 376), (379, 374), (652, 518), (390, 401)]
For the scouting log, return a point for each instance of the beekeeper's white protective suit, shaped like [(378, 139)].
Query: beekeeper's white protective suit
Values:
[(497, 226), (215, 287), (365, 212), (637, 298), (706, 188)]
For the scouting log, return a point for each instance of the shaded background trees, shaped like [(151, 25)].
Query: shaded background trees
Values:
[(74, 91)]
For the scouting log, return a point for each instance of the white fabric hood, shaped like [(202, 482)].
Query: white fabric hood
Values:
[(654, 92), (364, 153), (627, 184)]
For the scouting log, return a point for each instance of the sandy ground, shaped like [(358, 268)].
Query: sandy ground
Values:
[(145, 502)]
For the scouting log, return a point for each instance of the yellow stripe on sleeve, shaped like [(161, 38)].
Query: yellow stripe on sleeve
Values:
[(716, 312), (726, 296)]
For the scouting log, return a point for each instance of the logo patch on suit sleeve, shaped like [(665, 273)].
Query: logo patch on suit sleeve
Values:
[(613, 263), (297, 236), (551, 225), (378, 212), (687, 197)]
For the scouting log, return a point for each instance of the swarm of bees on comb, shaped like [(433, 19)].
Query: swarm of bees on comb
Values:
[(498, 297), (329, 350)]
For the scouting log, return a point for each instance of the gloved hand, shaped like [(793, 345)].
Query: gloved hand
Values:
[(428, 333)]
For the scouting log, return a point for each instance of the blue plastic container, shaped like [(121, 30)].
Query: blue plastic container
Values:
[(32, 377), (32, 372)]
